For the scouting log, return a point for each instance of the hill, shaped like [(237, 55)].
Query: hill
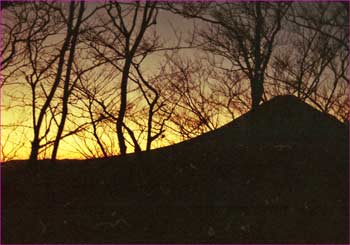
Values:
[(275, 175)]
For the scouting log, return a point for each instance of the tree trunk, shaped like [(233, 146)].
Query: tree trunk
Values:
[(36, 141), (257, 91), (257, 86), (123, 103), (35, 150), (66, 83)]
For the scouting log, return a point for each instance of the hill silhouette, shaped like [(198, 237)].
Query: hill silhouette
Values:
[(275, 175)]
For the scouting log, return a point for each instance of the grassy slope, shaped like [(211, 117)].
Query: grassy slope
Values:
[(276, 175)]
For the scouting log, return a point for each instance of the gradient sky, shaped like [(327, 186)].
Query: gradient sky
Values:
[(19, 139)]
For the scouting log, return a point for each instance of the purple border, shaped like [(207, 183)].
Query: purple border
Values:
[(179, 1), (348, 134), (0, 121), (158, 1)]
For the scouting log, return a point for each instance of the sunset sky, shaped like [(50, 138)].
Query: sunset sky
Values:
[(16, 113), (16, 131)]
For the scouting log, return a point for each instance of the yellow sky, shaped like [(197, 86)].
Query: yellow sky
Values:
[(16, 120)]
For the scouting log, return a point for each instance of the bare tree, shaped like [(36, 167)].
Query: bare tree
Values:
[(13, 41), (13, 141), (194, 108), (97, 96), (74, 30), (246, 35), (230, 90), (90, 73), (243, 33), (37, 124), (42, 65), (120, 40), (315, 68), (38, 25)]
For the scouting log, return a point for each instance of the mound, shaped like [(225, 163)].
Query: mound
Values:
[(284, 119), (288, 119), (275, 175)]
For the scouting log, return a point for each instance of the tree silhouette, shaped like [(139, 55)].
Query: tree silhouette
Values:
[(243, 33), (121, 39), (315, 66), (87, 73), (66, 91)]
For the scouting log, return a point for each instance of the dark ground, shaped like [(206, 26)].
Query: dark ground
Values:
[(276, 175)]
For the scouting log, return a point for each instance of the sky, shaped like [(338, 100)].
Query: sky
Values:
[(16, 139), (16, 114)]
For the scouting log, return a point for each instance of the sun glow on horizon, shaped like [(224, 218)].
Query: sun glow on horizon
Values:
[(190, 73)]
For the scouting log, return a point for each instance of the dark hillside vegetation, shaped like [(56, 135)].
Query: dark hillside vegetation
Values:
[(279, 174)]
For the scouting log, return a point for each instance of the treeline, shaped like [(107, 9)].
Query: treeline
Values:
[(101, 77)]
